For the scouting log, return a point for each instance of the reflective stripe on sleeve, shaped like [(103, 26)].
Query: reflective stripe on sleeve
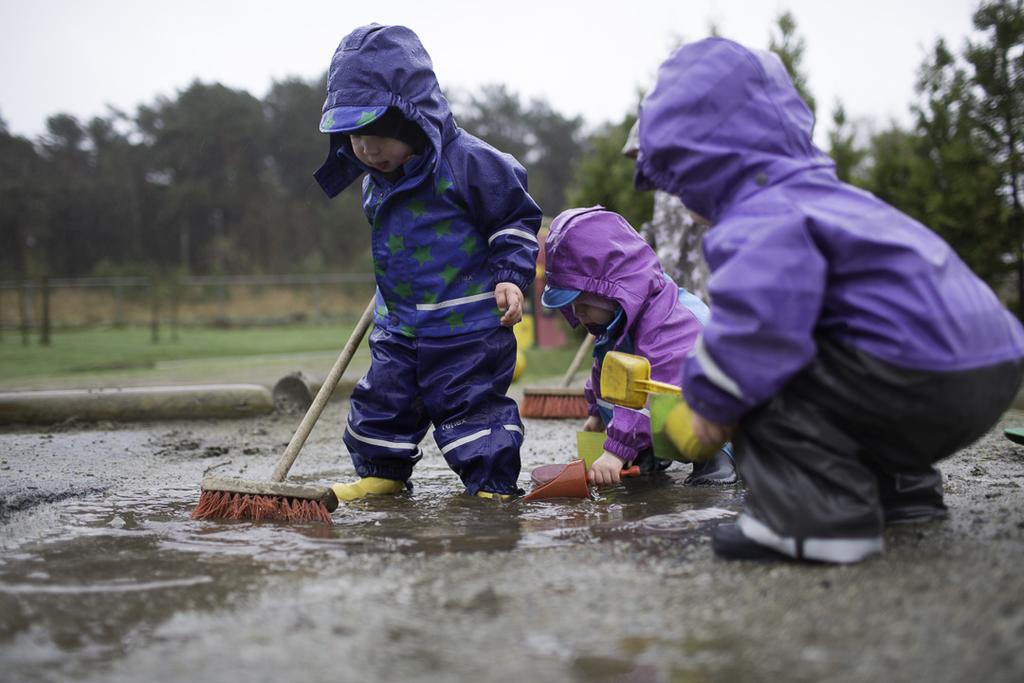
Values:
[(455, 302), (715, 373), (525, 234)]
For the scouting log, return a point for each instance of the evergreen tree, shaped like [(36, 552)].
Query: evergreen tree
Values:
[(789, 46), (207, 150), (22, 204), (544, 141), (998, 62), (605, 176), (960, 178), (843, 147)]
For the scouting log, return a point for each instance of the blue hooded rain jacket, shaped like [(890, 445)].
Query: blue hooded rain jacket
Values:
[(457, 223)]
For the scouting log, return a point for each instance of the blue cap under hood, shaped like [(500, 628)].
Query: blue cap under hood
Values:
[(373, 68)]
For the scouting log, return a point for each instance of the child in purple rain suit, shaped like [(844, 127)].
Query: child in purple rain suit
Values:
[(454, 248), (602, 274), (849, 348)]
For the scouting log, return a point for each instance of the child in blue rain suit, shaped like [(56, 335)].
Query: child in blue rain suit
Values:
[(454, 248), (602, 274)]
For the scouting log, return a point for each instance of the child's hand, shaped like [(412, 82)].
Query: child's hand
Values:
[(510, 299), (606, 470), (593, 424), (709, 433)]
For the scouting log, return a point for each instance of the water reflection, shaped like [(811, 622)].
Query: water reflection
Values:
[(113, 570)]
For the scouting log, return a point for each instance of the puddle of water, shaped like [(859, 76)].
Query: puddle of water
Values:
[(103, 536), (29, 588), (100, 578)]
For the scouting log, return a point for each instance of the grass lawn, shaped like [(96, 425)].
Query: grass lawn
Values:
[(129, 350), (132, 349)]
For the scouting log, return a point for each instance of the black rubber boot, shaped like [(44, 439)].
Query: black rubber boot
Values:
[(915, 514), (730, 543), (649, 464), (912, 497), (717, 470)]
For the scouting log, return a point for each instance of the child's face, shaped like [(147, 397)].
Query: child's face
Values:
[(383, 154), (592, 315)]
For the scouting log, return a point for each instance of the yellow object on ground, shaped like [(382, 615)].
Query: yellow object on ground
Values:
[(672, 431), (525, 332), (590, 446), (367, 486), (520, 365), (626, 380), (503, 497)]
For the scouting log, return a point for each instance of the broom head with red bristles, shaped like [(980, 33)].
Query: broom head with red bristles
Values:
[(553, 403), (263, 500)]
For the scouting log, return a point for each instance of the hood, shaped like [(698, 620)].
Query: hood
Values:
[(375, 67), (598, 251), (721, 122)]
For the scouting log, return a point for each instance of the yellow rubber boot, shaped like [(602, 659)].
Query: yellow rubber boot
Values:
[(503, 497), (367, 486)]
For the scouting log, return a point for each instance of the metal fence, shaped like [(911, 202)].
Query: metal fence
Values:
[(46, 304)]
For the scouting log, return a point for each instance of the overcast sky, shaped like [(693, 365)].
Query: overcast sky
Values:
[(588, 58)]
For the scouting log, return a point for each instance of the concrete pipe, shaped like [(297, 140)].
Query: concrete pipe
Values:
[(294, 393), (136, 403)]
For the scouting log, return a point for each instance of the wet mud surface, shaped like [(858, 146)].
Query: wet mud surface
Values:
[(104, 576)]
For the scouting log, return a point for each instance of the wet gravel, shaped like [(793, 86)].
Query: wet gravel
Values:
[(104, 577)]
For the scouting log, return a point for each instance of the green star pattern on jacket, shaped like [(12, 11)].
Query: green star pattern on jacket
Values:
[(442, 185), (449, 273), (422, 255), (408, 330), (474, 289), (382, 310), (443, 228), (470, 245), (454, 320), (396, 243), (366, 117), (416, 207), (378, 270), (404, 289), (430, 298)]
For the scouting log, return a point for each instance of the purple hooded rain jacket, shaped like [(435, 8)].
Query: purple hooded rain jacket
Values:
[(796, 254), (597, 251)]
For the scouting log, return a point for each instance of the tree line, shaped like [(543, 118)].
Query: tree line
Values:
[(957, 168), (217, 181)]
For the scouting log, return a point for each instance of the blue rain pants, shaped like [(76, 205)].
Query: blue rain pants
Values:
[(459, 384)]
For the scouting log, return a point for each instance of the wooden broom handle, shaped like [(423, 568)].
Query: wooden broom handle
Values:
[(324, 395), (584, 349)]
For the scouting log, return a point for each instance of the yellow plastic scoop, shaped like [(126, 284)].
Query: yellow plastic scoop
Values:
[(626, 380)]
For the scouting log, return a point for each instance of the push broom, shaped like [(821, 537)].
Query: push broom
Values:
[(559, 401), (275, 499)]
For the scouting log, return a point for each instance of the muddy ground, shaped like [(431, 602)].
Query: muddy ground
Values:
[(104, 577)]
